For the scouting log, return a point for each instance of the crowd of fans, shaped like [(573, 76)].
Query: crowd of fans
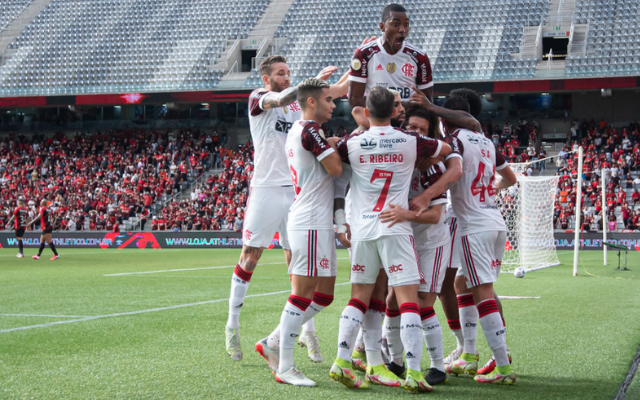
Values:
[(217, 203), (98, 180), (612, 152)]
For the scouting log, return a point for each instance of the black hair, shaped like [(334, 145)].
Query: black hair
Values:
[(420, 112), (386, 13), (380, 103), (456, 103), (475, 103), (311, 87)]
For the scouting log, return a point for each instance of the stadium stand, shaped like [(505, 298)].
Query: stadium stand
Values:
[(95, 180), (612, 47), (474, 45), (125, 45), (9, 9)]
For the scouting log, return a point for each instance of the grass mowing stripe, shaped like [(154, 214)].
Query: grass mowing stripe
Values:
[(622, 392), (22, 328)]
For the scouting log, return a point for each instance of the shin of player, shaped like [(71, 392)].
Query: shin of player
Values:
[(46, 224), (381, 176), (312, 162)]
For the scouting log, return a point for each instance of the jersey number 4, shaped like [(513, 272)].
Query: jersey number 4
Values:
[(386, 175), (478, 186)]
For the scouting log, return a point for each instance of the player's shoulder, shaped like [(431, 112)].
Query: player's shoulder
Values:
[(412, 133), (372, 46), (310, 126), (256, 94), (413, 50)]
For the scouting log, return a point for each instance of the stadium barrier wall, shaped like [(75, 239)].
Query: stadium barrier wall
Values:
[(233, 240)]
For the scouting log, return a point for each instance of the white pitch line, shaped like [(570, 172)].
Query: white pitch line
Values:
[(71, 321), (517, 297), (44, 316), (191, 269)]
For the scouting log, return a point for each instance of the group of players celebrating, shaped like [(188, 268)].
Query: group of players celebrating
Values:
[(423, 221)]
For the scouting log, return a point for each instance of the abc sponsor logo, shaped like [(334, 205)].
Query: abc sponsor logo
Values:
[(395, 268), (357, 268)]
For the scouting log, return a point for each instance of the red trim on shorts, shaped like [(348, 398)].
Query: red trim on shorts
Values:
[(377, 305), (426, 313), (487, 307), (465, 300), (435, 274), (299, 302), (417, 256), (409, 308), (471, 267), (355, 303), (322, 299), (242, 274), (392, 313)]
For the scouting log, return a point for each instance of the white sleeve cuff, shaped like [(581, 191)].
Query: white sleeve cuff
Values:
[(357, 79), (437, 153), (325, 153), (262, 101), (453, 155), (501, 167), (437, 201), (425, 86)]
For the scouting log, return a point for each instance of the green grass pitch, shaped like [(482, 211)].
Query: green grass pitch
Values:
[(160, 335)]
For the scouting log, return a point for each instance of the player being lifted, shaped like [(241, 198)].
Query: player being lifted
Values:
[(382, 160), (272, 112), (482, 232), (46, 224), (313, 163), (21, 215)]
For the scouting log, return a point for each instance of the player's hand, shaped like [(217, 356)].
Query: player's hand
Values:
[(367, 40), (345, 238), (395, 215), (420, 203), (419, 98), (327, 72)]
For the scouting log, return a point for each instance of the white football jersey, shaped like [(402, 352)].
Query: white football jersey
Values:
[(312, 208), (474, 196), (382, 161), (435, 235), (410, 66), (269, 129)]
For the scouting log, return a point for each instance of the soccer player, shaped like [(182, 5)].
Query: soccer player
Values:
[(483, 236), (382, 160), (46, 224), (313, 268), (272, 112), (390, 61), (21, 215), (433, 245)]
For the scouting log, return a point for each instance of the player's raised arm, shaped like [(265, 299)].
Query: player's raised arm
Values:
[(279, 99), (455, 117)]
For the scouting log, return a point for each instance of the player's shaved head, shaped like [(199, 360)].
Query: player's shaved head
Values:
[(266, 66), (380, 103), (312, 87), (475, 103), (386, 13), (456, 103)]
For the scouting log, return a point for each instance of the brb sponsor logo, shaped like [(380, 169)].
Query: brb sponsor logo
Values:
[(395, 268), (357, 268), (324, 263)]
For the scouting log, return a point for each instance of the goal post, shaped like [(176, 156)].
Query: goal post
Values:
[(528, 209), (578, 216)]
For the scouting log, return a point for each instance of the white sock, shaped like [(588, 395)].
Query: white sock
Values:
[(411, 334), (239, 286), (469, 322), (392, 329), (350, 322), (290, 323), (456, 330), (493, 329), (359, 347), (372, 332), (319, 303), (432, 332), (309, 326)]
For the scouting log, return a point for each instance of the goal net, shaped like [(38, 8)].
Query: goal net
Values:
[(527, 208)]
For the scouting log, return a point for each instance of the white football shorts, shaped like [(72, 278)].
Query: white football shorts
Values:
[(433, 263), (267, 213), (482, 254), (313, 253)]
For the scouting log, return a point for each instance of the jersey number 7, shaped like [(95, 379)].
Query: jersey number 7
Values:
[(386, 175)]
